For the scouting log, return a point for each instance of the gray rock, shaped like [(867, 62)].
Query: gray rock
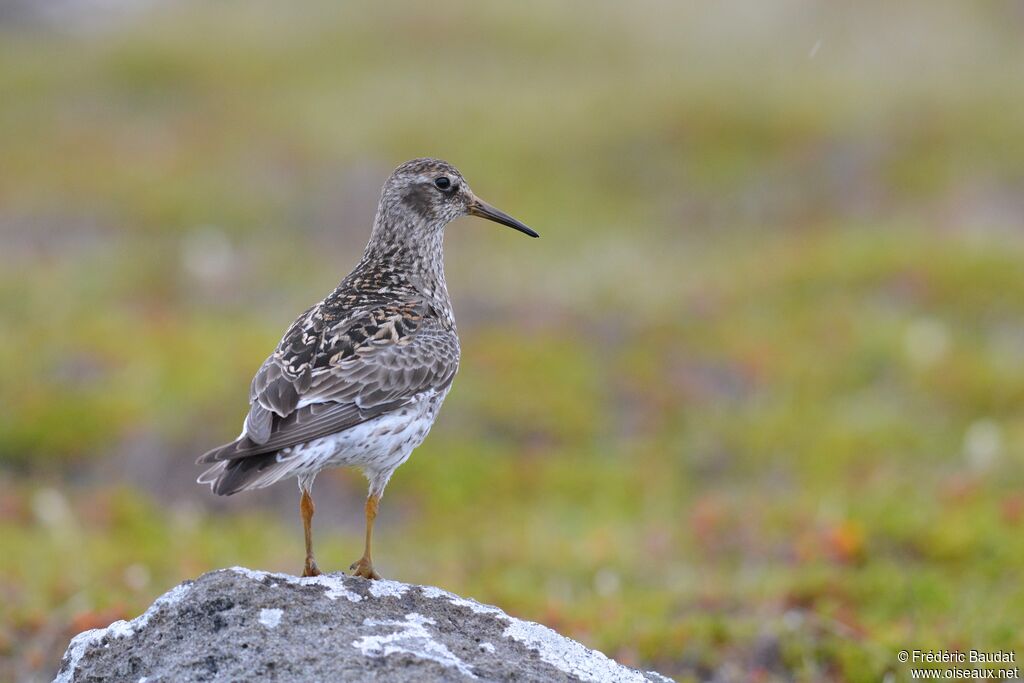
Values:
[(242, 625)]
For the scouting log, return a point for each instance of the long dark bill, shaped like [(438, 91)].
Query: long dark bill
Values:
[(485, 210)]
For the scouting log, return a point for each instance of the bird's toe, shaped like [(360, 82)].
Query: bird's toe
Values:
[(364, 568)]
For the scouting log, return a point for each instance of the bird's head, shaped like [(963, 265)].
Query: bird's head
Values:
[(431, 193)]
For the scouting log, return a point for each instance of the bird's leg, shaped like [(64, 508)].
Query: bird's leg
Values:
[(364, 566), (307, 508)]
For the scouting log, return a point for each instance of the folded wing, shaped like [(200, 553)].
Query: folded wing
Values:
[(328, 376)]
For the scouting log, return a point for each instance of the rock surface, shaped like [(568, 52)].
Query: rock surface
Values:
[(242, 625)]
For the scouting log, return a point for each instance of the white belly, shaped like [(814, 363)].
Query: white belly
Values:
[(378, 445)]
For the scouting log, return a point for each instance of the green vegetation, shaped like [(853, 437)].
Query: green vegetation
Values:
[(753, 404)]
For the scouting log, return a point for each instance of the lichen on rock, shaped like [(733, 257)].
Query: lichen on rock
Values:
[(240, 624)]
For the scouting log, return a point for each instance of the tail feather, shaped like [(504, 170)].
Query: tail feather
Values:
[(225, 451), (232, 476)]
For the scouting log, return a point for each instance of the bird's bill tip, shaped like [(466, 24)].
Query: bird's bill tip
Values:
[(484, 210)]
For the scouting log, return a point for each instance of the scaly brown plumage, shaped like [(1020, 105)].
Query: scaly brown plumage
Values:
[(358, 378)]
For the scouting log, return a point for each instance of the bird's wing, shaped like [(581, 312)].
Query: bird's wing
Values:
[(328, 375)]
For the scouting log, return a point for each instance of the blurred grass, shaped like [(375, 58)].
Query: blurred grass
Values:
[(753, 407)]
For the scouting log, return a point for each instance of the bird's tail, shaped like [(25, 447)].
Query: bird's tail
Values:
[(243, 474)]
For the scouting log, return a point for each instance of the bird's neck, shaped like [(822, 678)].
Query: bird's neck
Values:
[(413, 252)]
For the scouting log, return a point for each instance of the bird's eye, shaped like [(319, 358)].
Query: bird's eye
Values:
[(443, 183)]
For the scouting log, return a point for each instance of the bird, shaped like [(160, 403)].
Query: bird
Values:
[(358, 378)]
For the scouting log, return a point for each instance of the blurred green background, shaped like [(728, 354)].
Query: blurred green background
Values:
[(752, 408)]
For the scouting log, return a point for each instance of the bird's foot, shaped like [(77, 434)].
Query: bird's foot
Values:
[(364, 568), (311, 569)]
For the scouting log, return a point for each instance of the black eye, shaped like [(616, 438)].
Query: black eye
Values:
[(443, 183)]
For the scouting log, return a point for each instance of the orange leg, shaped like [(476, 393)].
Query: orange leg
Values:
[(364, 566), (307, 508)]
